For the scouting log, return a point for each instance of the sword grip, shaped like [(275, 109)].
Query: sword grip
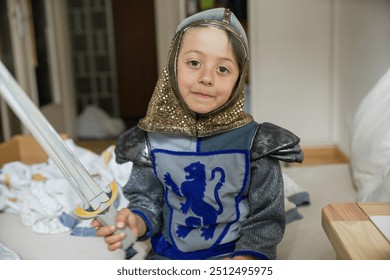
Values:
[(109, 218)]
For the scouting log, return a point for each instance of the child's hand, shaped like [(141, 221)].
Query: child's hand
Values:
[(124, 218)]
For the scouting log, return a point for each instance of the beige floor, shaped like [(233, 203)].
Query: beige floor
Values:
[(305, 239)]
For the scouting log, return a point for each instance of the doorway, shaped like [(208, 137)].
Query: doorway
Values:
[(136, 56), (114, 56)]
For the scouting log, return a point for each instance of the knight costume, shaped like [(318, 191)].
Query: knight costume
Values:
[(207, 185)]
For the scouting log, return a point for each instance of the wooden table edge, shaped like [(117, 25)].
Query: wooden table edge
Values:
[(363, 210)]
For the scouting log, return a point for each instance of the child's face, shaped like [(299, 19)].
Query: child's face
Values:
[(207, 69)]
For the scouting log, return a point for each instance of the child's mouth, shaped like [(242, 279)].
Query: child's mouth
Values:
[(202, 95)]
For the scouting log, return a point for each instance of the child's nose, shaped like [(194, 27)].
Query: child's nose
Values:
[(206, 77)]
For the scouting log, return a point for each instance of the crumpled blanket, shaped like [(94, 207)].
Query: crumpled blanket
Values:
[(7, 253), (44, 199), (40, 195)]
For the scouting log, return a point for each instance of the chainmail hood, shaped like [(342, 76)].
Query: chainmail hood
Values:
[(168, 113)]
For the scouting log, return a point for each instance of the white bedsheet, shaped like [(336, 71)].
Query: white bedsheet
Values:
[(39, 193)]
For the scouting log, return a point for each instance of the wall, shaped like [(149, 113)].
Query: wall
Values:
[(313, 61), (362, 50), (169, 14), (291, 62)]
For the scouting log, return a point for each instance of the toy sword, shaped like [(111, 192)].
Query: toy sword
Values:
[(98, 203)]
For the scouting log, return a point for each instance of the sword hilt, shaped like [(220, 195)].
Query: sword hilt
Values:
[(109, 218), (106, 215)]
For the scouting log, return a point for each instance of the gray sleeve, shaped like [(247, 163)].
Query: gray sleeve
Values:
[(145, 194), (264, 227), (143, 190)]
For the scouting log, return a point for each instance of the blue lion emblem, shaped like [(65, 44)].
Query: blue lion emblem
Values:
[(193, 190)]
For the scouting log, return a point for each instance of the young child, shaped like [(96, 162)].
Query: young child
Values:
[(206, 181)]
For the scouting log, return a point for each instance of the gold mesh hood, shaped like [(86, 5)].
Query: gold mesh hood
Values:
[(167, 112)]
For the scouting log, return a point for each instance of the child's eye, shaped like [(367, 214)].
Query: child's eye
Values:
[(223, 69), (194, 63)]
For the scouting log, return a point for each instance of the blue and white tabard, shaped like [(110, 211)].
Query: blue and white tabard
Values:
[(205, 187)]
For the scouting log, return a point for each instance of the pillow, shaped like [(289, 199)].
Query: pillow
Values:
[(370, 143), (377, 188)]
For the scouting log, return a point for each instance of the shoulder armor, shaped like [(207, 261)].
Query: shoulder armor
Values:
[(132, 146), (277, 142)]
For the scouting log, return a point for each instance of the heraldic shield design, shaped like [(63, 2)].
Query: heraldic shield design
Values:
[(203, 193)]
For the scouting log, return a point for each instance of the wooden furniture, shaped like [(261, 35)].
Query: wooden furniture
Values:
[(352, 233)]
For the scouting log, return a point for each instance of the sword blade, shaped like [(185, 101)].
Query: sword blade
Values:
[(51, 142)]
